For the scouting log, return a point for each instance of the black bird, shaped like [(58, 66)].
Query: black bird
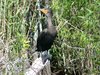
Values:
[(48, 35)]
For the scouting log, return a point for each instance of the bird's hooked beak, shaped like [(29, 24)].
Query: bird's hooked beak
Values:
[(45, 11)]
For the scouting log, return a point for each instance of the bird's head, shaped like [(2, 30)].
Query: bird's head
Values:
[(46, 11)]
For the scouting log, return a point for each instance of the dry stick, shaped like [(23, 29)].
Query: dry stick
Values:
[(36, 67), (40, 25), (39, 22)]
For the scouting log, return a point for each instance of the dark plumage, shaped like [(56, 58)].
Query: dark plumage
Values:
[(48, 35)]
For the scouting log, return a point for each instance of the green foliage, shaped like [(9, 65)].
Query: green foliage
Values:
[(77, 47), (79, 37)]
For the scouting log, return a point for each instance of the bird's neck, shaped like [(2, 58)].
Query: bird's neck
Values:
[(49, 21), (50, 26)]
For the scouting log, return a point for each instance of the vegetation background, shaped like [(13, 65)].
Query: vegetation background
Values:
[(76, 51)]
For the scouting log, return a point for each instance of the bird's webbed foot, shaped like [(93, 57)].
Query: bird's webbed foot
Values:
[(45, 55)]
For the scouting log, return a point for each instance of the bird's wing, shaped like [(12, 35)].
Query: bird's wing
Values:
[(41, 37)]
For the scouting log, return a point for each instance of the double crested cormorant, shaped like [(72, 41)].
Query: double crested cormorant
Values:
[(48, 35)]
